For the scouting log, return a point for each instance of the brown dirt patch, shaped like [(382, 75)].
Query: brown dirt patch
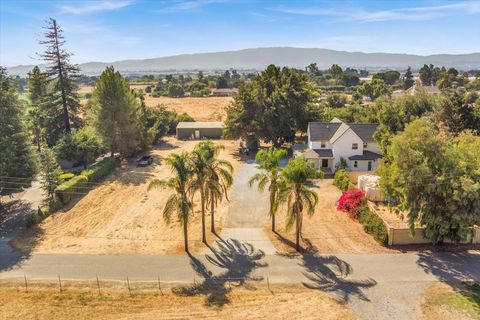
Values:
[(329, 230), (258, 303), (120, 216)]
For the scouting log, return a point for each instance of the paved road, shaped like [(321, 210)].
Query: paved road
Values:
[(375, 286)]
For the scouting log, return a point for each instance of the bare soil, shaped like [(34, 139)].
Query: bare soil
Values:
[(119, 216), (242, 303), (328, 230)]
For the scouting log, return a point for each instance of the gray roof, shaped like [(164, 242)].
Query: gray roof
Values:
[(318, 153), (322, 130), (364, 130), (367, 155), (200, 125)]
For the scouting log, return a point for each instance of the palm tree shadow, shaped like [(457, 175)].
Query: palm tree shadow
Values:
[(238, 260), (328, 274)]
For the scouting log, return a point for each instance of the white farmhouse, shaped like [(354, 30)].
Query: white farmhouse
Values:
[(328, 142)]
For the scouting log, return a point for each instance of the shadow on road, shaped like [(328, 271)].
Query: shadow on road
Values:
[(13, 222), (328, 274), (451, 266), (238, 259)]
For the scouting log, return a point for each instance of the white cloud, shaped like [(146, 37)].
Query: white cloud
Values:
[(405, 14), (179, 6), (96, 6)]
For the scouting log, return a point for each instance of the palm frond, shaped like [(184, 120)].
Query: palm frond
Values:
[(170, 207), (157, 183)]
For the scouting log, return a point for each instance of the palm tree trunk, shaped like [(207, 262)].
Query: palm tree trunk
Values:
[(297, 236), (202, 199), (212, 213), (185, 237), (272, 199), (273, 222)]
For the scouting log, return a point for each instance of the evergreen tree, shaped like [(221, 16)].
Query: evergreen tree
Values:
[(61, 105), (50, 171), (113, 112), (17, 158), (408, 79), (37, 85)]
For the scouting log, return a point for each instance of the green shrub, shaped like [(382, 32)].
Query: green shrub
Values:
[(41, 214), (341, 180), (373, 225), (71, 188), (67, 176), (100, 170)]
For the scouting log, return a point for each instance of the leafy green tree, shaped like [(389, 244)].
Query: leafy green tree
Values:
[(153, 123), (434, 175), (457, 114), (408, 79), (83, 146), (335, 72), (295, 193), (426, 75), (341, 180), (272, 107), (17, 157), (350, 79), (37, 86), (374, 88), (175, 90), (221, 83), (50, 172), (336, 100), (35, 125), (113, 112), (199, 89), (62, 102), (179, 203), (269, 161), (389, 77)]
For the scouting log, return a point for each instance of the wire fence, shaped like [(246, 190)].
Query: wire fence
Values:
[(155, 285)]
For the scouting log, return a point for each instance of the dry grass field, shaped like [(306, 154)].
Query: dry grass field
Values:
[(120, 216), (200, 108), (328, 230), (253, 303)]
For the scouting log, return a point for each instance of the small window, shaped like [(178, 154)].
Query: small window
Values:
[(322, 144), (355, 164), (354, 146), (365, 145)]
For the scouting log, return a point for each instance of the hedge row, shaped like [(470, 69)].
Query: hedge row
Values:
[(373, 225), (78, 184)]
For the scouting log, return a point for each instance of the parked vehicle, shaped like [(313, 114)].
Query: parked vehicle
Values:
[(144, 161)]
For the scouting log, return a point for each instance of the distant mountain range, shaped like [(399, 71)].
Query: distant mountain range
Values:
[(259, 58)]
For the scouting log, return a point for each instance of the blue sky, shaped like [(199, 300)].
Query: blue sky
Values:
[(110, 30)]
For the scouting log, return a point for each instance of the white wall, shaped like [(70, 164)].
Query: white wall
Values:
[(362, 165), (342, 147), (318, 145), (374, 147)]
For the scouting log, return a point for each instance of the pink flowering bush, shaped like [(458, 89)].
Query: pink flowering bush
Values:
[(350, 201)]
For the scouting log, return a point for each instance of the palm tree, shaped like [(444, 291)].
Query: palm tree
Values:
[(178, 203), (269, 161), (200, 165), (293, 190), (218, 179)]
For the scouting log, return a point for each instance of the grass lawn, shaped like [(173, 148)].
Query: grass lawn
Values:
[(443, 302)]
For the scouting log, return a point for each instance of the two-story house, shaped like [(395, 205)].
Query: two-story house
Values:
[(328, 142)]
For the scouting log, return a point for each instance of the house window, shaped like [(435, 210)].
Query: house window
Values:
[(322, 144), (355, 164), (354, 146), (365, 145)]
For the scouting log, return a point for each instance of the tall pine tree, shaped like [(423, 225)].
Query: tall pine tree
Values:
[(62, 103), (17, 158)]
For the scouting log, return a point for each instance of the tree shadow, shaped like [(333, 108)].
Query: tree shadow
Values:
[(451, 267), (13, 221), (329, 274), (237, 259)]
